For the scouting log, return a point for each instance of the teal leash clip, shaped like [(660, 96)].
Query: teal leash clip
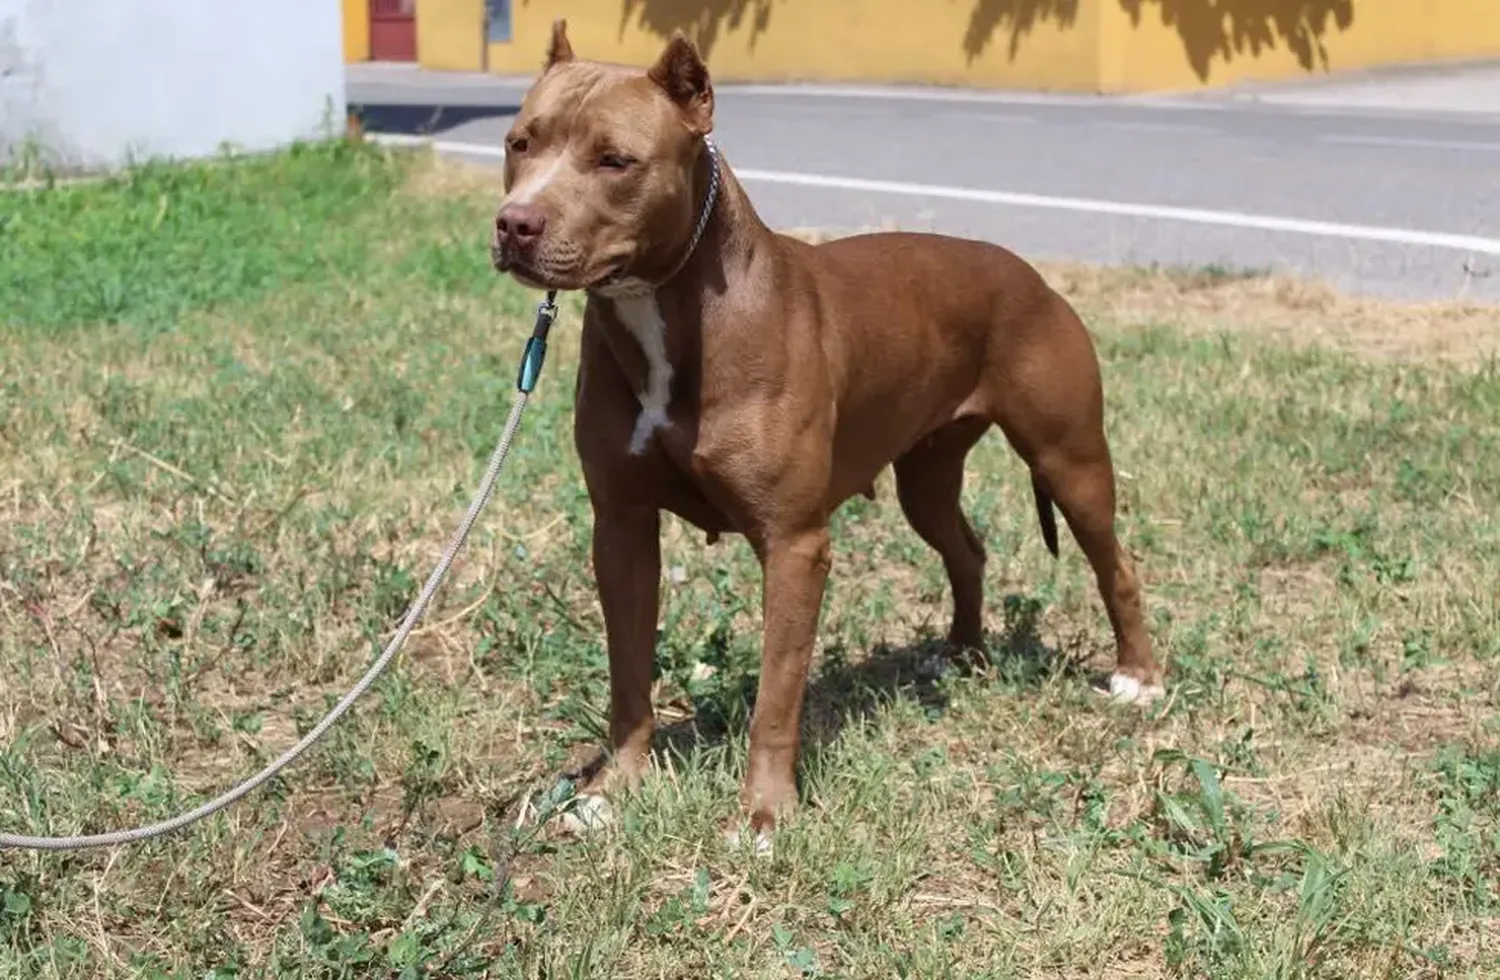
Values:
[(536, 346)]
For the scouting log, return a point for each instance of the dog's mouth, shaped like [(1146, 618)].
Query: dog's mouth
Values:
[(533, 276), (522, 270), (529, 278)]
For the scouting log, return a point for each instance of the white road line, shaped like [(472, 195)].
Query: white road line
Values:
[(399, 139), (454, 147), (1418, 143), (1200, 216), (469, 149)]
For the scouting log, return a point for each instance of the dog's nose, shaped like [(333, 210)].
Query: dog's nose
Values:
[(520, 224)]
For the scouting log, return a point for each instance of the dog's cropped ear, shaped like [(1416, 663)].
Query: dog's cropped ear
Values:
[(680, 71), (558, 49)]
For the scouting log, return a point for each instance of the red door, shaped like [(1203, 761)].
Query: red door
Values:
[(393, 30)]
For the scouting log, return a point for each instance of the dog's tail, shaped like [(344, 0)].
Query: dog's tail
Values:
[(1045, 515)]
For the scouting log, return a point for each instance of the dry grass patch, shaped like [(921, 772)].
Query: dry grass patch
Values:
[(1306, 314)]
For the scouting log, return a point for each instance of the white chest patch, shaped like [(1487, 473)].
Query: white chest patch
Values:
[(642, 317)]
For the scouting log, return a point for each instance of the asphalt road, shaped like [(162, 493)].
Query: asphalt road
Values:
[(1374, 195)]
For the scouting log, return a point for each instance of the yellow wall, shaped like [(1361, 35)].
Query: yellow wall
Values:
[(450, 34), (1457, 27), (822, 40), (1077, 45), (1145, 49), (356, 30)]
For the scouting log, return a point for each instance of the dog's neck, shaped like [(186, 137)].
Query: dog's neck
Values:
[(722, 209), (728, 246), (699, 273), (665, 323)]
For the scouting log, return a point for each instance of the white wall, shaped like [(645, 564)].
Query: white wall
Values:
[(98, 82)]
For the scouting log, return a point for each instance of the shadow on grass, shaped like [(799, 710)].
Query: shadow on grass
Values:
[(848, 692)]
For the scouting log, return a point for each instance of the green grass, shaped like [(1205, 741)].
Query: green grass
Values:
[(241, 407)]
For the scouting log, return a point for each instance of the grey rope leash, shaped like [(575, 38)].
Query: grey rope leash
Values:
[(531, 367)]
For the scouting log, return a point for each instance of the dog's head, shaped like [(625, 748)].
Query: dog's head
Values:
[(599, 168)]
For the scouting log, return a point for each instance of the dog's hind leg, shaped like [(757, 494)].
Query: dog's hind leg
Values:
[(929, 480), (1058, 429), (1083, 486)]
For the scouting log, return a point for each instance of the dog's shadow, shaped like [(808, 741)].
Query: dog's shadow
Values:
[(849, 691)]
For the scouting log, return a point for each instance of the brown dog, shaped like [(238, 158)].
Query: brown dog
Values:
[(751, 383)]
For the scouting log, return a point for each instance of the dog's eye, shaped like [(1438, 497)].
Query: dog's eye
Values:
[(615, 161), (517, 144)]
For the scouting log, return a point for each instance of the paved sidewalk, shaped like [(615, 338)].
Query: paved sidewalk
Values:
[(1472, 87)]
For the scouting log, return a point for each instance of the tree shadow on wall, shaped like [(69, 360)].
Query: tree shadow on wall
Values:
[(1017, 17), (1209, 29), (1224, 29), (700, 20)]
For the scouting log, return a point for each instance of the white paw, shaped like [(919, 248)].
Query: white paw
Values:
[(1123, 687), (762, 847), (589, 814)]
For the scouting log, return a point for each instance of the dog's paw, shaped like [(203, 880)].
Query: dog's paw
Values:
[(760, 847), (589, 814), (1130, 690)]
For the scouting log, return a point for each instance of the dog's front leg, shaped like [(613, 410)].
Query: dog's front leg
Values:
[(796, 571), (627, 566)]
